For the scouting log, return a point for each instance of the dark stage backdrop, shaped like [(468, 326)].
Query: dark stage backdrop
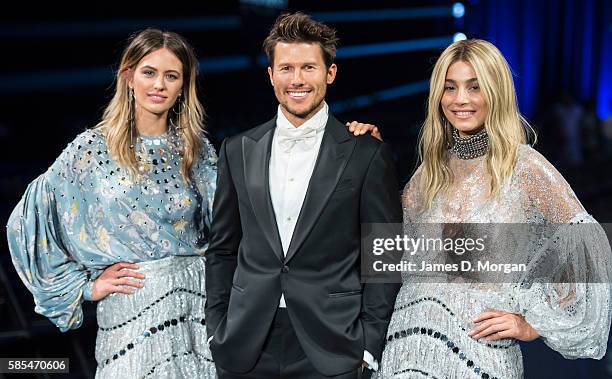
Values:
[(57, 76)]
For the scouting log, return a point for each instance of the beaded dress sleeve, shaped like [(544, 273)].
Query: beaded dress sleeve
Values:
[(569, 302), (46, 229)]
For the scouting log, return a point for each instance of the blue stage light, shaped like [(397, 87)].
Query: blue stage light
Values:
[(379, 96), (278, 4), (459, 37), (458, 10), (381, 14)]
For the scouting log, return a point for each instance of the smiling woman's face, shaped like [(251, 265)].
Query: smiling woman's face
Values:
[(157, 81), (463, 102)]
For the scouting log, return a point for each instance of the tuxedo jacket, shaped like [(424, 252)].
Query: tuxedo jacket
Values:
[(335, 316)]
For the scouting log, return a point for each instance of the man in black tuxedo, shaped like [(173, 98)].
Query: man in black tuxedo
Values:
[(284, 295)]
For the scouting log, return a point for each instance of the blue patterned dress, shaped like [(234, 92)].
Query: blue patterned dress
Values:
[(86, 213)]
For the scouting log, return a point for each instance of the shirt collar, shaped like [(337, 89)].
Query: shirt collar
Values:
[(316, 122)]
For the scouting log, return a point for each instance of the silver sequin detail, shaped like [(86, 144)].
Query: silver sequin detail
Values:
[(168, 340), (572, 318)]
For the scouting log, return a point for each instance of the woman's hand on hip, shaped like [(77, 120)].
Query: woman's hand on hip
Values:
[(115, 279), (495, 325)]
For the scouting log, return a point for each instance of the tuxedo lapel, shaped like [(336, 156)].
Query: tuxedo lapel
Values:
[(335, 151), (256, 154)]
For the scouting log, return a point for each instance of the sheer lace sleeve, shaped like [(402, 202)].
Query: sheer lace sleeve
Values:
[(411, 198), (566, 295), (548, 196)]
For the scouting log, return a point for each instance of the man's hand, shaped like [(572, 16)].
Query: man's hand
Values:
[(358, 128)]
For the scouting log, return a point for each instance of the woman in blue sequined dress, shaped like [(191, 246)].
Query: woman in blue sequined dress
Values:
[(122, 218), (479, 175)]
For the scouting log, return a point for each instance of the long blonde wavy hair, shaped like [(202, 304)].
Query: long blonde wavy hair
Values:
[(186, 115), (505, 126)]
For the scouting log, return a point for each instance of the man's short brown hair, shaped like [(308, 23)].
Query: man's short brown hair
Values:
[(299, 27)]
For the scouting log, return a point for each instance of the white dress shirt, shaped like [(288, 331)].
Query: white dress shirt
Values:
[(292, 160)]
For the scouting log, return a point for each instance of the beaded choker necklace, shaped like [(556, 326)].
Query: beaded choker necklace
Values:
[(470, 147)]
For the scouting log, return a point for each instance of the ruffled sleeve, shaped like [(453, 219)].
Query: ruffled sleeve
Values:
[(566, 295), (41, 235)]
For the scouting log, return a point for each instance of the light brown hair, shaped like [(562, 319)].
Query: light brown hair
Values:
[(187, 117)]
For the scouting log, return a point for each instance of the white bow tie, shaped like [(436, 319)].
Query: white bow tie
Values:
[(303, 138)]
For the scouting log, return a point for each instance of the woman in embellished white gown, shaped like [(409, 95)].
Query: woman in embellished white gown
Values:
[(477, 168)]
